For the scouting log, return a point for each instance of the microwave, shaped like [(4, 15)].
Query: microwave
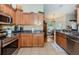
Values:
[(7, 19)]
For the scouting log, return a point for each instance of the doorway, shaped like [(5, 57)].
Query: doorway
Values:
[(50, 31)]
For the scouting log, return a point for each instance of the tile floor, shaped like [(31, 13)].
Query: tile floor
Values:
[(48, 49)]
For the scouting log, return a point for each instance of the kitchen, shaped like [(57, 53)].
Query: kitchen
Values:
[(25, 27)]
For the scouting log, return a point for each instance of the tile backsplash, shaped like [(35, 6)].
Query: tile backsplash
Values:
[(25, 27), (32, 27), (6, 27)]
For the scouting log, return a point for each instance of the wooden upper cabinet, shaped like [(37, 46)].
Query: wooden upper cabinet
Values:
[(19, 17), (5, 8), (27, 18), (35, 18), (24, 21), (31, 18)]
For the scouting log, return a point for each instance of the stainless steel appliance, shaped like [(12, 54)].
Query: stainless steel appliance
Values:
[(7, 19)]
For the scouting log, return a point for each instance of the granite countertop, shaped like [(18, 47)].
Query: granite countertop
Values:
[(28, 32)]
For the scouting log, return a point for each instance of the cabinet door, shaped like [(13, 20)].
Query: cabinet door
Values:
[(23, 41), (41, 40), (23, 19), (26, 19), (26, 40), (61, 40), (2, 7), (35, 40), (29, 40), (35, 18), (18, 17), (19, 40), (30, 19)]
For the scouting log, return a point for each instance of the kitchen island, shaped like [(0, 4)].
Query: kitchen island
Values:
[(31, 39), (69, 41)]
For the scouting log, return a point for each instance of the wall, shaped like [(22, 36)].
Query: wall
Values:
[(63, 13), (5, 27), (31, 7)]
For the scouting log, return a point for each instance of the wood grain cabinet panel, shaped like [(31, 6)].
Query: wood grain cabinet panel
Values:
[(18, 18), (25, 17), (38, 39), (35, 40), (61, 40), (26, 40), (35, 18), (41, 40), (31, 19), (31, 40), (23, 41)]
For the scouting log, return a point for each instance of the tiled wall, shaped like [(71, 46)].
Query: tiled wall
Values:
[(8, 26), (28, 27)]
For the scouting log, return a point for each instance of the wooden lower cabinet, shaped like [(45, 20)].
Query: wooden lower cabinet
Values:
[(61, 40), (26, 40), (38, 39), (19, 41), (35, 40), (41, 39), (31, 40)]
